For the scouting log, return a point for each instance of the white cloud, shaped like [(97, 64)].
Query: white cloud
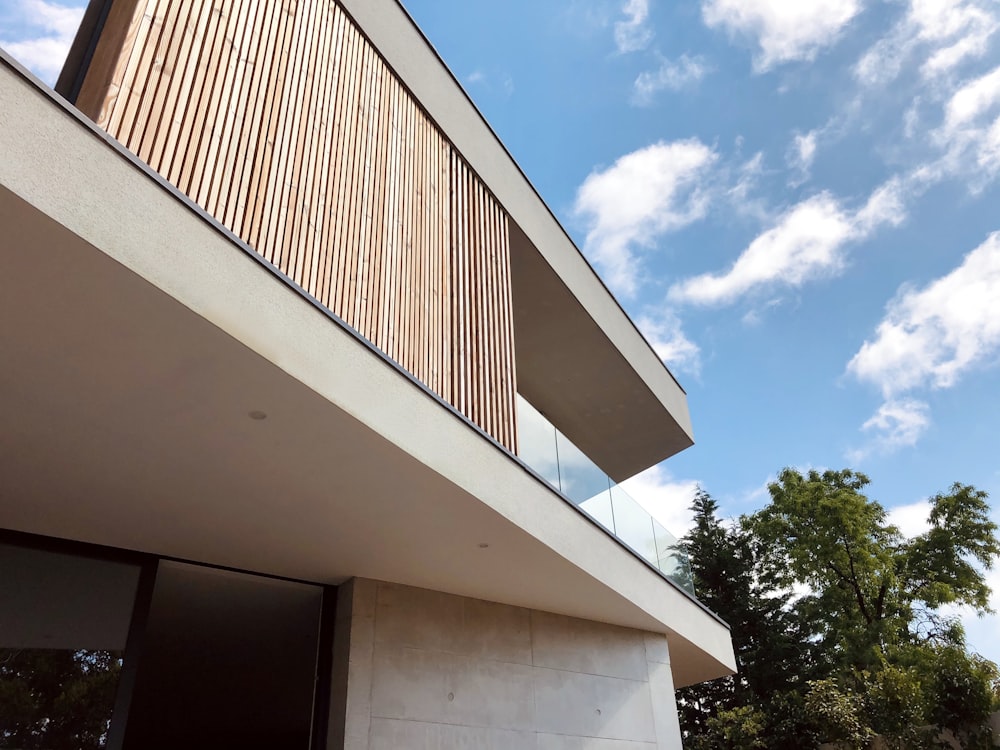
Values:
[(664, 497), (497, 82), (969, 136), (801, 154), (808, 241), (633, 33), (911, 519), (944, 33), (971, 101), (940, 38), (965, 145), (744, 196), (886, 205), (930, 336), (642, 196), (49, 29), (883, 62), (896, 424), (672, 75), (665, 335), (955, 31), (911, 118), (805, 243), (785, 30)]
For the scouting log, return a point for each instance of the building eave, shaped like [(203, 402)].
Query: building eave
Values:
[(145, 336), (592, 372)]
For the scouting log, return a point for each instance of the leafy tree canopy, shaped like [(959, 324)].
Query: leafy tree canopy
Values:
[(53, 699), (839, 621)]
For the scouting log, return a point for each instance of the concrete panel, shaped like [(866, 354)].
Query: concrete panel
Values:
[(392, 734), (657, 648), (661, 695), (593, 706), (339, 682), (424, 619), (417, 618), (400, 696), (496, 631), (576, 645), (566, 742), (450, 689), (356, 626), (364, 597)]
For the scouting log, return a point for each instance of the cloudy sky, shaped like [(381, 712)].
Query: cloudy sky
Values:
[(798, 201)]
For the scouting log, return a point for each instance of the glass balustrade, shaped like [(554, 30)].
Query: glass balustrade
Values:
[(565, 467)]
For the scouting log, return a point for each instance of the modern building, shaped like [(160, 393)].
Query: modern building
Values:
[(311, 414)]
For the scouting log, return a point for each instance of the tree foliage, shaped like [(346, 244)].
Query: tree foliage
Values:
[(56, 699), (839, 622)]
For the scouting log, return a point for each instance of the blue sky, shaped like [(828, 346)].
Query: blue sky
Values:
[(797, 202)]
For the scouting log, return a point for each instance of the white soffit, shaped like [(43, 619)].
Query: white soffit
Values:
[(138, 339)]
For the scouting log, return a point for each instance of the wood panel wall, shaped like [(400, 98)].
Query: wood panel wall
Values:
[(281, 120)]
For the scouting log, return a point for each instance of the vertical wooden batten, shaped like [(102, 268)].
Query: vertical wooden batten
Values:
[(284, 123)]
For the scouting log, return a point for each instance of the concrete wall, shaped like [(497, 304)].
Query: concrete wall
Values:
[(415, 668)]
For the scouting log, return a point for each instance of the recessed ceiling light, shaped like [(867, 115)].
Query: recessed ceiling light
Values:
[(258, 415)]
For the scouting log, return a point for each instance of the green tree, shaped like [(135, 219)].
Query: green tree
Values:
[(837, 714), (772, 649), (864, 647), (962, 692), (56, 699), (877, 589)]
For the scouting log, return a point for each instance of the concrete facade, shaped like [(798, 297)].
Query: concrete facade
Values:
[(419, 668)]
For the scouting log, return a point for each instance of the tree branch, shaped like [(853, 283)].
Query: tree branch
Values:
[(852, 581)]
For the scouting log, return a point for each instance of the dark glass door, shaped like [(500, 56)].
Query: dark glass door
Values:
[(224, 660)]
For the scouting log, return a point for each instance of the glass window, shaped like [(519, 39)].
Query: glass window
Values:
[(226, 659), (64, 620)]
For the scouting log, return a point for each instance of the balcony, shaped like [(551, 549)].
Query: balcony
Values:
[(564, 466)]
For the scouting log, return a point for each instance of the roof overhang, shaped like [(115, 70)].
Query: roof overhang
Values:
[(140, 337), (570, 371), (580, 359)]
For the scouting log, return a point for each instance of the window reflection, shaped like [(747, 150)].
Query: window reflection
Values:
[(216, 658), (63, 624), (57, 699)]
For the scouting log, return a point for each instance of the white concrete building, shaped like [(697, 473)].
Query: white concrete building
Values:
[(312, 414)]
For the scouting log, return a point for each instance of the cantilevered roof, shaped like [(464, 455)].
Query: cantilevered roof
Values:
[(166, 390), (580, 359)]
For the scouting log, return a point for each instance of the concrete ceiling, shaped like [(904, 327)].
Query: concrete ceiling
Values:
[(128, 421)]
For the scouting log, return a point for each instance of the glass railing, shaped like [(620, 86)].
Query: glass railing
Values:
[(550, 453)]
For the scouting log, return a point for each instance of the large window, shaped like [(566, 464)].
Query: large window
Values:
[(142, 654), (64, 623)]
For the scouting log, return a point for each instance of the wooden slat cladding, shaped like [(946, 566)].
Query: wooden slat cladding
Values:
[(482, 354), (281, 120)]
